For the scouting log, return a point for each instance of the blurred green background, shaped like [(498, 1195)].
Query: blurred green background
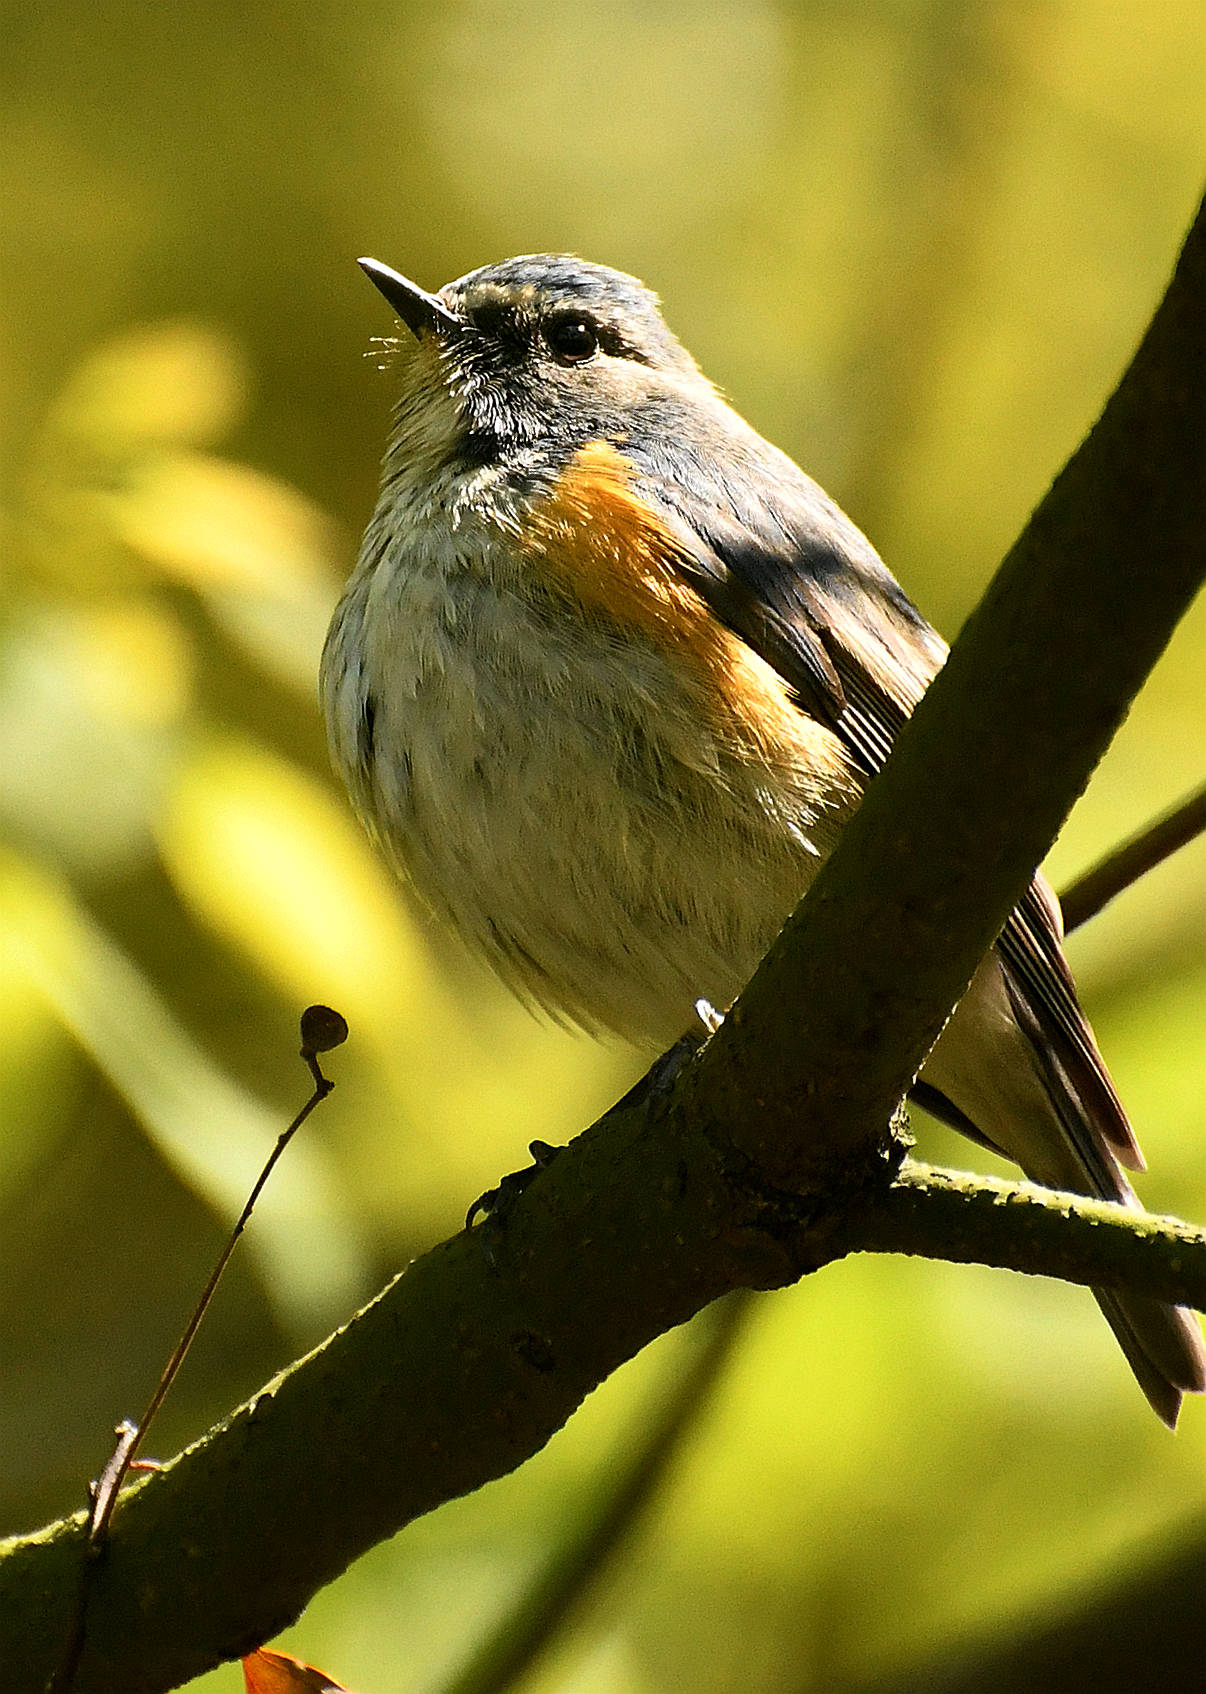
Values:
[(915, 241)]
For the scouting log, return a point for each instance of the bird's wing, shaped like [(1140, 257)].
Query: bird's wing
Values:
[(789, 573)]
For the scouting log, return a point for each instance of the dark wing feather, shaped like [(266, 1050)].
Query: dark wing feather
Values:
[(782, 567), (787, 571), (1037, 973)]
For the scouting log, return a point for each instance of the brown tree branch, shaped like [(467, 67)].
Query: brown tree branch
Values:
[(965, 1219), (458, 1372), (543, 1612), (628, 1490)]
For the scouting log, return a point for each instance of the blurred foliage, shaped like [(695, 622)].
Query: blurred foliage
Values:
[(916, 241)]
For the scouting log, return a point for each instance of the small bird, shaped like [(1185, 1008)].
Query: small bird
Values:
[(609, 678)]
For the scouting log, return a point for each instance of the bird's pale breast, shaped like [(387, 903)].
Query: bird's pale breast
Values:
[(604, 791)]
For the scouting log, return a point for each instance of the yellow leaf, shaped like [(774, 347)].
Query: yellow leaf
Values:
[(218, 525), (166, 382), (271, 860)]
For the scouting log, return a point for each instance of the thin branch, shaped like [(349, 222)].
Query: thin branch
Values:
[(321, 1030), (964, 1219), (131, 1436), (1123, 867)]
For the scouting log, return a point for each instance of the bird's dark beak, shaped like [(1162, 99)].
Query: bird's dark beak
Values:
[(417, 309)]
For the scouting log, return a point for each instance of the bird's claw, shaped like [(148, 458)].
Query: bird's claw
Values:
[(496, 1203)]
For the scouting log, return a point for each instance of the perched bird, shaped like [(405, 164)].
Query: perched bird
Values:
[(609, 678)]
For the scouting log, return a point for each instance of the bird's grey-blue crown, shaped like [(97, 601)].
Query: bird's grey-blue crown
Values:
[(541, 283)]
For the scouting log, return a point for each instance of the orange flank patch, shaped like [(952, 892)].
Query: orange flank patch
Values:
[(602, 543)]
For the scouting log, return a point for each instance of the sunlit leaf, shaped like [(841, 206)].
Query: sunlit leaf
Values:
[(272, 861), (210, 1129), (282, 633), (256, 551), (33, 1088), (131, 660), (215, 524), (89, 700), (164, 383)]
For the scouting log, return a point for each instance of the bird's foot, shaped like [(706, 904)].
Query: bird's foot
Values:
[(496, 1203), (663, 1073)]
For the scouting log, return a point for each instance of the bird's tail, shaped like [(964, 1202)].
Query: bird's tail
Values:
[(1163, 1346), (1018, 1061)]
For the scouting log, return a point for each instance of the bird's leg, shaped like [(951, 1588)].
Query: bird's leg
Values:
[(495, 1204)]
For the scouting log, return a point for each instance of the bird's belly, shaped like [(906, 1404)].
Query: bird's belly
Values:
[(563, 799)]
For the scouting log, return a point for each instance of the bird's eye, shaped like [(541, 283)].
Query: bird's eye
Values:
[(572, 340)]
